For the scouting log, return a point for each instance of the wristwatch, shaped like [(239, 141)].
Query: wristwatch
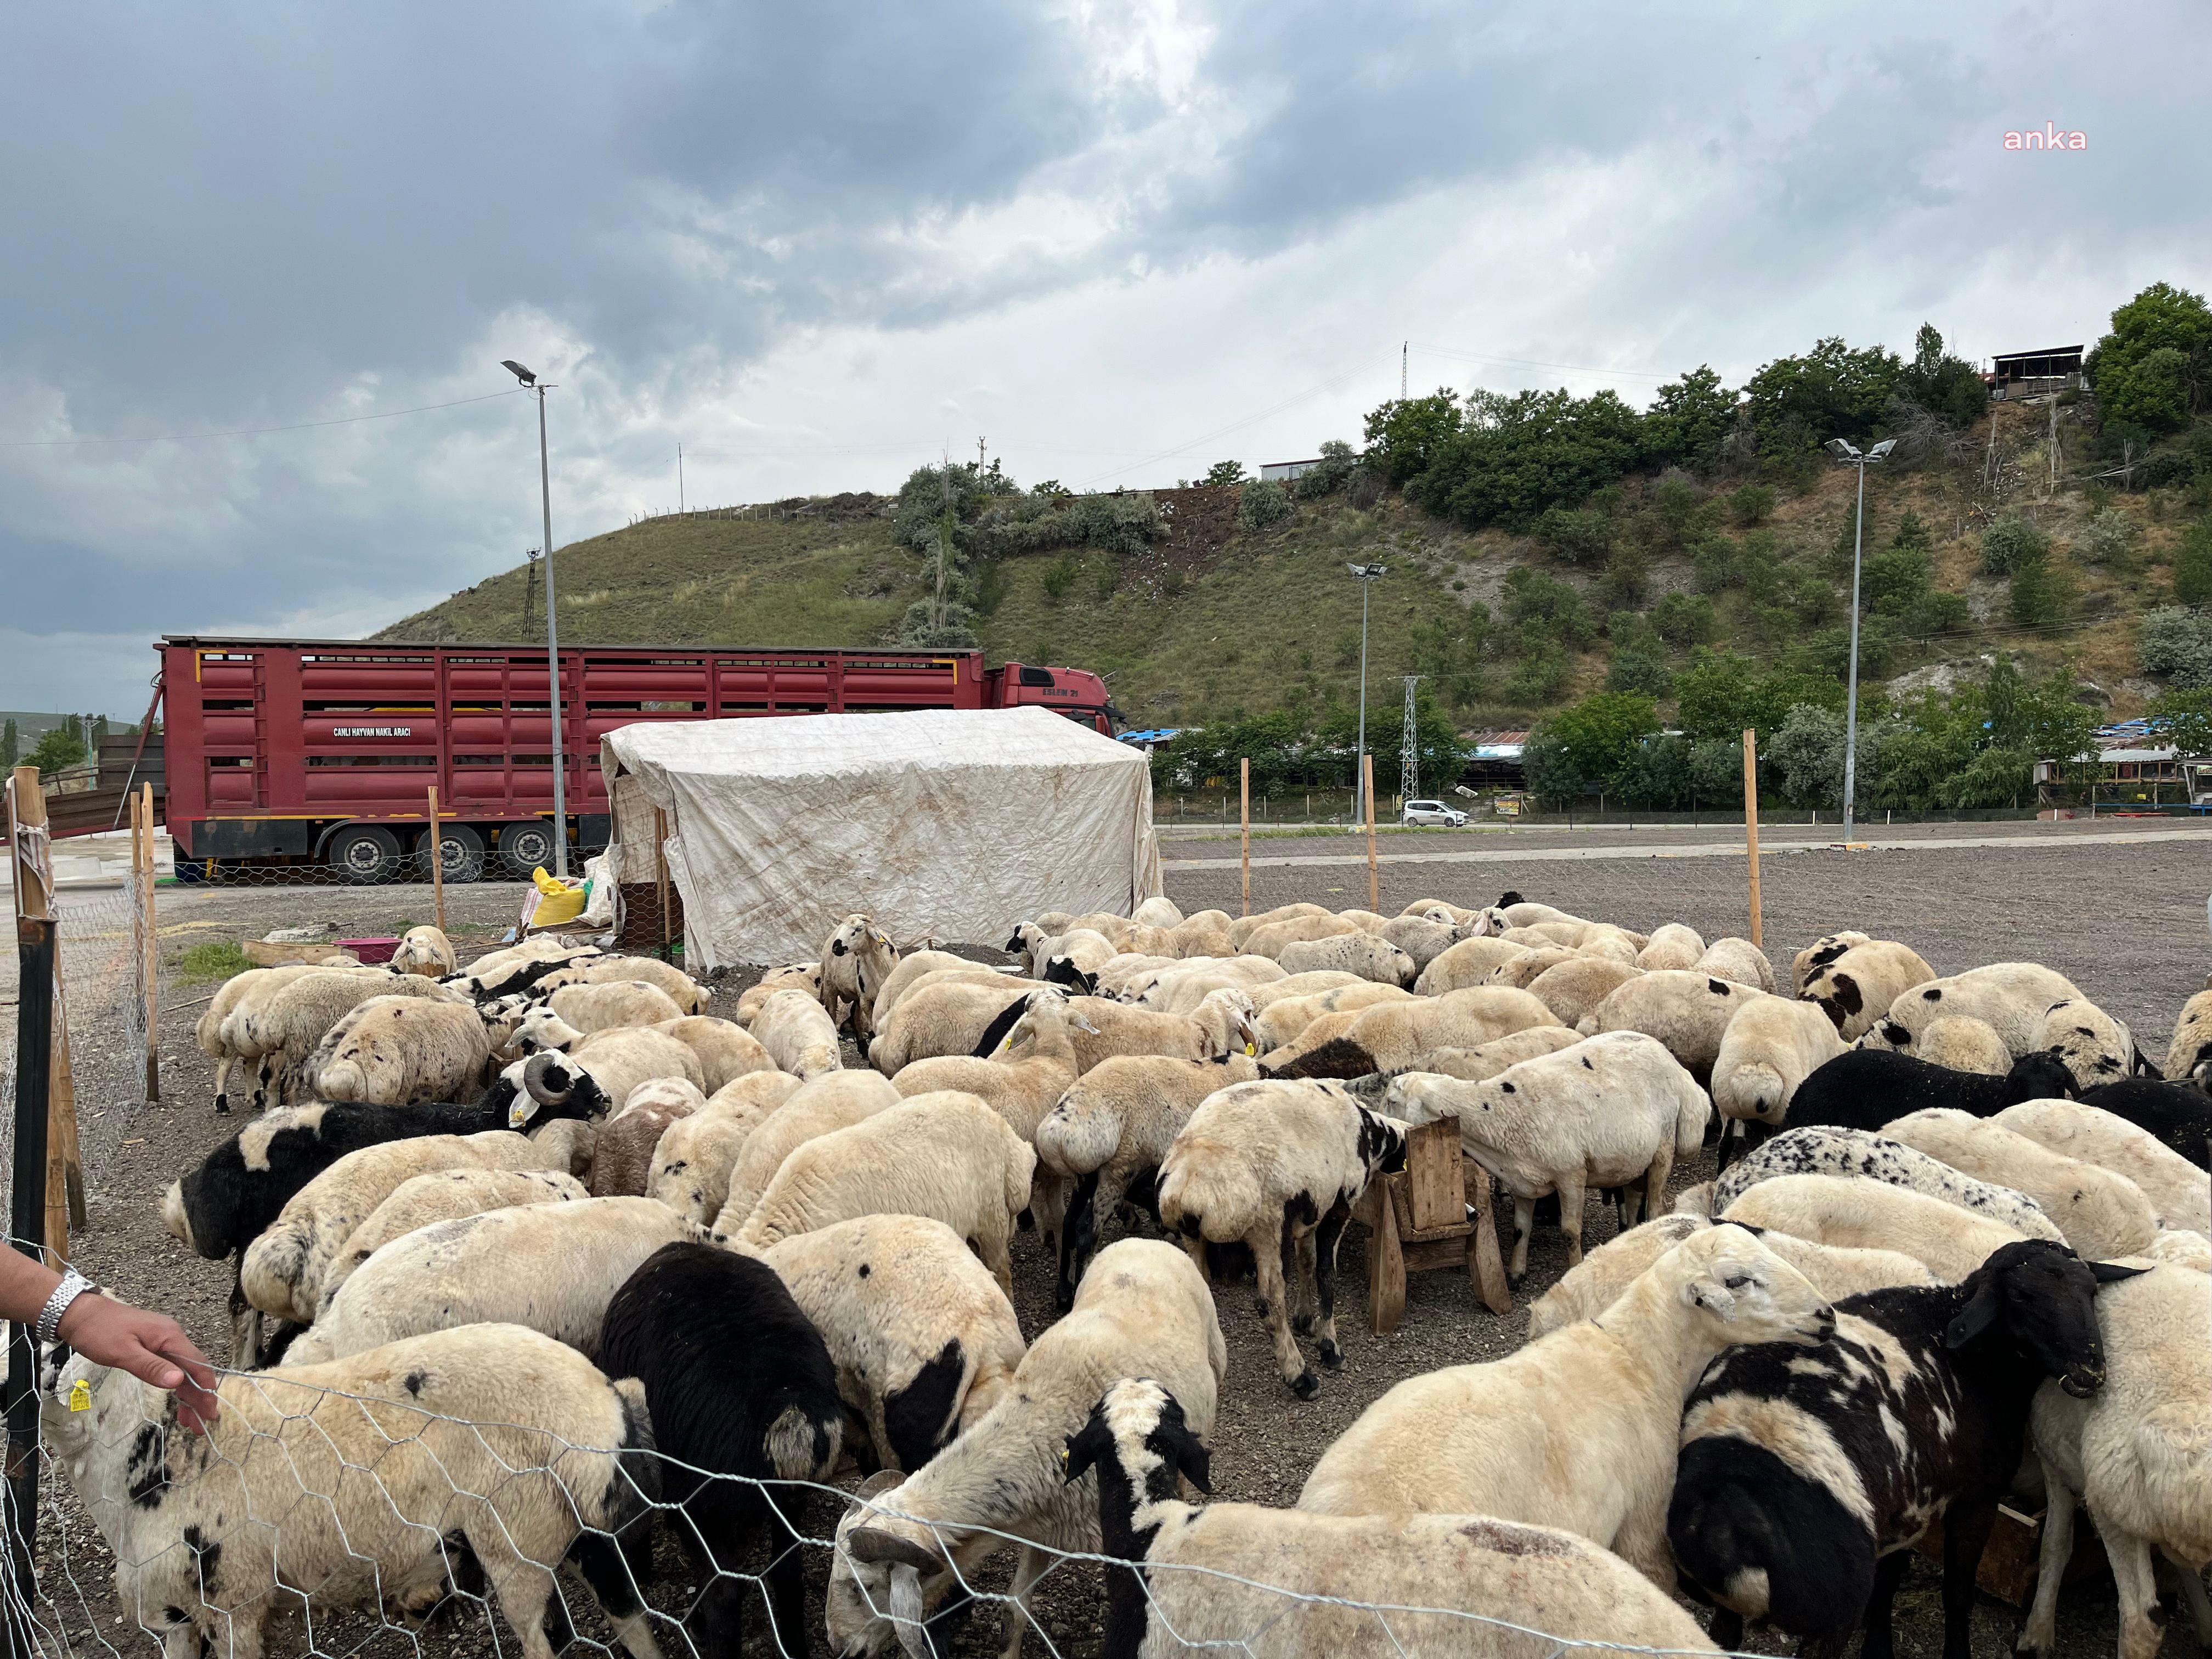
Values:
[(73, 1286)]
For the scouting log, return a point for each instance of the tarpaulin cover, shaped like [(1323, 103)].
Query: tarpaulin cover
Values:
[(955, 823)]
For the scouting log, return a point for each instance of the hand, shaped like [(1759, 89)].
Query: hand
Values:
[(152, 1347)]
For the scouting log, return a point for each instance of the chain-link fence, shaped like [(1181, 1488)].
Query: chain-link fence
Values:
[(417, 1499)]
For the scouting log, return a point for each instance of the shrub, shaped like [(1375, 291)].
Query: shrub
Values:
[(1539, 674), (1684, 619), (1894, 580), (1259, 505), (1762, 562), (1531, 597), (1058, 578), (2010, 542), (1330, 473), (1716, 564), (1910, 532), (1813, 600), (1627, 576), (1576, 536), (991, 584), (2178, 644), (2192, 566), (1224, 472), (1639, 667), (1750, 504), (2042, 592), (1676, 514), (1937, 613), (2105, 538)]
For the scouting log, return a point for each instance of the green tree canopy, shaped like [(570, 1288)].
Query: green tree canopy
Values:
[(1831, 392), (1688, 420), (2154, 368), (1402, 435), (1515, 455)]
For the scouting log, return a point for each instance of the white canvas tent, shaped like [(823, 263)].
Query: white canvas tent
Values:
[(957, 822)]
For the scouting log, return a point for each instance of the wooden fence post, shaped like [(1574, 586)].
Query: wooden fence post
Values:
[(1751, 822), (149, 958), (437, 862), (1244, 812), (660, 873), (1367, 794)]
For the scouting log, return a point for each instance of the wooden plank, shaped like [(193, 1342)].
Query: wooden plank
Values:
[(2008, 1569), (1367, 794), (150, 960), (660, 874), (1386, 1272), (437, 861), (1244, 818), (1487, 1265), (1435, 1188), (1423, 1255), (1751, 822)]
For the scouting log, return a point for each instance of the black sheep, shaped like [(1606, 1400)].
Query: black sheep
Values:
[(2180, 1116), (1867, 1088), (738, 1382), (1807, 1472)]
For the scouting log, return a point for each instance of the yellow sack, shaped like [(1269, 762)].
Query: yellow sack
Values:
[(557, 904)]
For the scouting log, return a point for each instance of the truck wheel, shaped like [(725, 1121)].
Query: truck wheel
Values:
[(526, 847), (463, 850), (364, 853)]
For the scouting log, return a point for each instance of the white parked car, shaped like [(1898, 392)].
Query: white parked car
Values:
[(1432, 811)]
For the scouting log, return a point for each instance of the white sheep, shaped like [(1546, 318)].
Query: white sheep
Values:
[(553, 1268), (1689, 1012), (1826, 1149), (2096, 1047), (601, 1005), (1856, 980), (1595, 1283), (2189, 1058), (1423, 938), (210, 1030), (1487, 1439), (923, 1341), (280, 1025), (1771, 1045), (1612, 1111), (726, 1049), (1243, 927), (1110, 1131), (425, 950), (194, 1523), (1960, 1041), (1393, 1037), (1523, 970), (913, 966), (626, 1150), (1035, 1066), (1471, 962), (1277, 1165), (2011, 996), (397, 1050), (1283, 1019), (1474, 1065), (1270, 940), (1243, 1578), (1143, 1311), (692, 1164), (441, 1195), (690, 996), (856, 961), (2100, 1213), (1673, 946), (2135, 1452), (1159, 911), (1738, 959), (2177, 1189), (947, 1017), (1817, 955), (605, 1066), (798, 1034), (1573, 989), (947, 1156), (1368, 955), (833, 1101), (1221, 1023), (1862, 1215), (792, 976), (281, 1270)]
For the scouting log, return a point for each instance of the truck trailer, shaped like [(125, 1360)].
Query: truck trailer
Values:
[(322, 753)]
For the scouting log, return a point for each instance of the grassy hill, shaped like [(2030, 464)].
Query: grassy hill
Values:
[(1210, 620)]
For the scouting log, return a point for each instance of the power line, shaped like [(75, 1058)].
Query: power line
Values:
[(253, 431), (1333, 381)]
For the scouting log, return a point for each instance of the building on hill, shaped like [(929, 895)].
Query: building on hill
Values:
[(1284, 471), (2132, 768), (2035, 374), (1493, 761)]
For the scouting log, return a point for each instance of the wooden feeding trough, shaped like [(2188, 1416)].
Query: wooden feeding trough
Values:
[(1418, 1220)]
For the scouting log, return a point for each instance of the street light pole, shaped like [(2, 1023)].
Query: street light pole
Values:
[(1851, 456), (532, 383), (1367, 574)]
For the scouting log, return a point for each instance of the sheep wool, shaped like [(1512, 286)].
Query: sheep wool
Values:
[(1858, 1214), (441, 1195), (2100, 1213), (1771, 1045), (425, 950), (1859, 983), (1822, 1150), (2177, 1189), (1688, 1011), (821, 1106)]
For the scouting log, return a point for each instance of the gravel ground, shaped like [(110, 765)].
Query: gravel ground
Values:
[(2126, 922)]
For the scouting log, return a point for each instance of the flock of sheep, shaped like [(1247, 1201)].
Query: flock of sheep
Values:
[(540, 1231)]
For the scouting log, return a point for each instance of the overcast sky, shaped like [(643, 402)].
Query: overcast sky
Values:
[(817, 244)]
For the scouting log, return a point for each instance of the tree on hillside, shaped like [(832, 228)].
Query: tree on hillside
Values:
[(1224, 472), (1589, 745), (1516, 455), (1689, 420), (2155, 369), (58, 749), (1720, 693), (11, 746), (1831, 392), (1402, 434), (1950, 388)]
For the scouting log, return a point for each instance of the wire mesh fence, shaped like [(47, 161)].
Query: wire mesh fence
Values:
[(416, 1500)]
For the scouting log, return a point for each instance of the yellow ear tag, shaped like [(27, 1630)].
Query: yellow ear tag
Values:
[(80, 1395), (518, 1113)]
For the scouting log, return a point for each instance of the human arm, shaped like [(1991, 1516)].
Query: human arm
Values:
[(152, 1346)]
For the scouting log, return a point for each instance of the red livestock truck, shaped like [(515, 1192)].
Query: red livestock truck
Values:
[(321, 752)]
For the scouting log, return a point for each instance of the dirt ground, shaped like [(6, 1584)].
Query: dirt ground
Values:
[(2126, 922)]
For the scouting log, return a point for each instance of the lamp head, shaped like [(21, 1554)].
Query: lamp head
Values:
[(1842, 449), (517, 371), (1881, 449), (1367, 572)]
